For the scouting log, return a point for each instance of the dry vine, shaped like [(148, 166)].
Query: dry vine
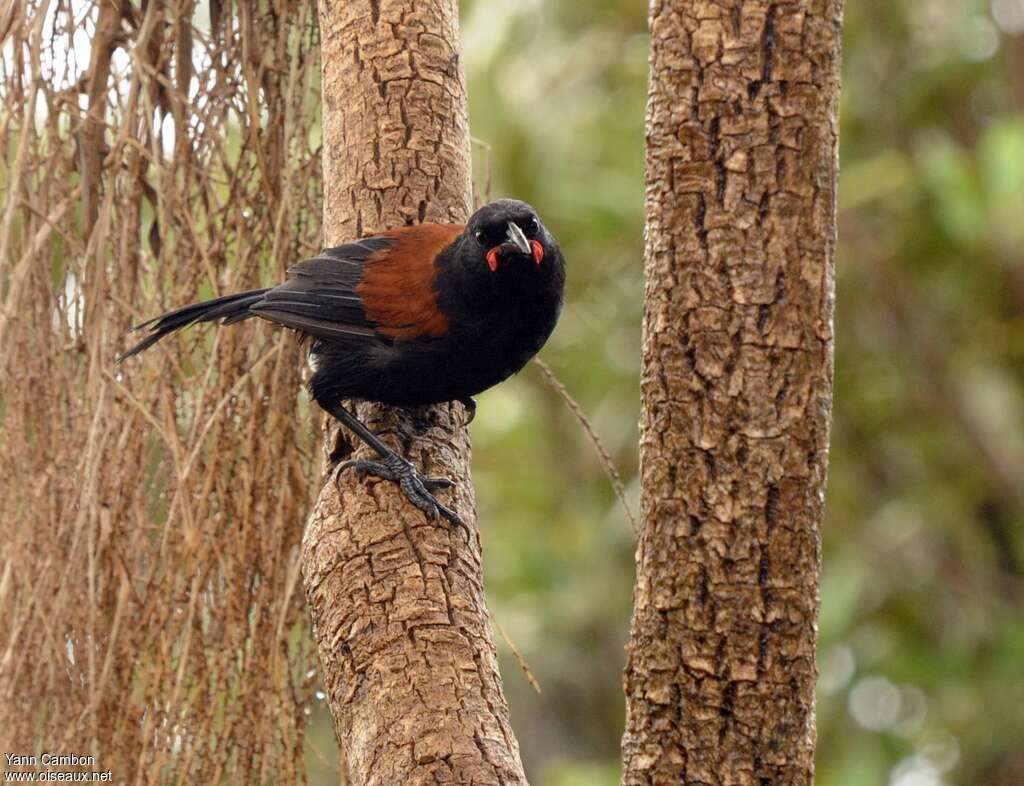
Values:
[(151, 514)]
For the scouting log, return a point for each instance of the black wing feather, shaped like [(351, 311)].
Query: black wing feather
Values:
[(229, 308), (320, 298)]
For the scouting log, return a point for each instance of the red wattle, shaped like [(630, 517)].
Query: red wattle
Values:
[(492, 260), (538, 251)]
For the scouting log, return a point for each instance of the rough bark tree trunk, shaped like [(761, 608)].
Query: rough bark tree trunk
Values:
[(407, 656), (736, 386)]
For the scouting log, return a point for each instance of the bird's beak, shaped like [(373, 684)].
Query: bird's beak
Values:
[(516, 237)]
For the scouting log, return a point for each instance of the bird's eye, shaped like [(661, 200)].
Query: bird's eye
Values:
[(479, 235), (533, 226)]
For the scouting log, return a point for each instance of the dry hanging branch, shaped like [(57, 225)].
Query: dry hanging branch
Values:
[(406, 650), (603, 456), (151, 514)]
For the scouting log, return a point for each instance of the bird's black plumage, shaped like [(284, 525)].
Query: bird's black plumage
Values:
[(416, 315)]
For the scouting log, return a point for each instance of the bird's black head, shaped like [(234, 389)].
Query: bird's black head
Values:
[(508, 232), (504, 259), (501, 286)]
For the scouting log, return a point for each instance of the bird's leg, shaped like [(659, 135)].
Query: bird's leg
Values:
[(470, 404), (416, 487)]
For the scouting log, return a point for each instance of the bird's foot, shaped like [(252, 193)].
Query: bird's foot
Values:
[(470, 404), (416, 487)]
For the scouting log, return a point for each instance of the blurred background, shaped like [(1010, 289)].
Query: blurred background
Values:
[(922, 632)]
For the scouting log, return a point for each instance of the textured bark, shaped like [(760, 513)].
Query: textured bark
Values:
[(407, 657), (736, 386)]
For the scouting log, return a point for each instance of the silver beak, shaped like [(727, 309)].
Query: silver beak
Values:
[(516, 237)]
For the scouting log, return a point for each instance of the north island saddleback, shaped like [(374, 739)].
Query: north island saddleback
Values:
[(411, 316)]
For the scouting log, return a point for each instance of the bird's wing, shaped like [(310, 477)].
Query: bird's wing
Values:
[(320, 297), (377, 288), (397, 288)]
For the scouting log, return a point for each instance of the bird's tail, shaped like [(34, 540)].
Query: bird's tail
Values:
[(229, 309)]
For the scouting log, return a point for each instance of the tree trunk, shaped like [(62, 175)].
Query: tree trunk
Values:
[(397, 601), (736, 386)]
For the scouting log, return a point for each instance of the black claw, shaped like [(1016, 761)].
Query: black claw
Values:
[(470, 404), (415, 486)]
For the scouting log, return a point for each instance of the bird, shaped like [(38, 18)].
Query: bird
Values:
[(415, 315)]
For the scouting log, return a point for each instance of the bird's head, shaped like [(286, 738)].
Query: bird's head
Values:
[(509, 232)]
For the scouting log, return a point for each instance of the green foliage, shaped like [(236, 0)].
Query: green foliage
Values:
[(921, 627)]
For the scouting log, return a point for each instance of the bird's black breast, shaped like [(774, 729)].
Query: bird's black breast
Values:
[(498, 323)]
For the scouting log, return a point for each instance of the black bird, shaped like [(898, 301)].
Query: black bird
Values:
[(415, 315)]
